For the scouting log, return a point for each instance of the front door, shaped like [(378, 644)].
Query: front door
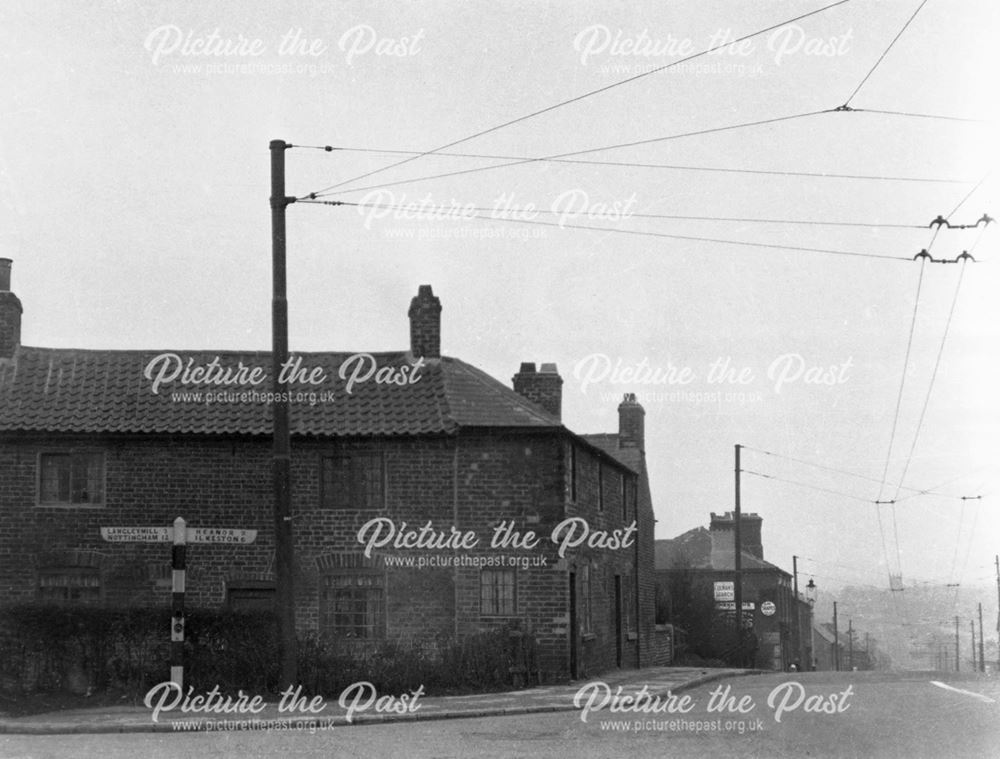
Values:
[(618, 620), (573, 629)]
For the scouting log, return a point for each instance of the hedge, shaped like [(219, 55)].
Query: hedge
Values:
[(52, 648)]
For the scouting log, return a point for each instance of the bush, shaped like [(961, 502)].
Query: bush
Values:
[(52, 648)]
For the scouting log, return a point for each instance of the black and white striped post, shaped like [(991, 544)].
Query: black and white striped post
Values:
[(180, 536), (177, 616)]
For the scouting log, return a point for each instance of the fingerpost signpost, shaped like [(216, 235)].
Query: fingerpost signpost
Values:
[(180, 535)]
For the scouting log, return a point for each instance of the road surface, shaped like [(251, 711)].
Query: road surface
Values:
[(816, 714)]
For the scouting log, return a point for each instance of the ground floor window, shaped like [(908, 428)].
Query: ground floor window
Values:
[(256, 596), (69, 585), (497, 593), (353, 605)]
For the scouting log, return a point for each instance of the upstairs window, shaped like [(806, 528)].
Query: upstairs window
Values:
[(71, 479), (600, 486), (353, 481), (572, 473), (625, 489)]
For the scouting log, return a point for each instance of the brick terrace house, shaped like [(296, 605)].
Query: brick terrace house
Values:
[(86, 443), (699, 565)]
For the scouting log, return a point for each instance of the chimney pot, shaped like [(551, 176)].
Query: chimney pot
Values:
[(5, 274)]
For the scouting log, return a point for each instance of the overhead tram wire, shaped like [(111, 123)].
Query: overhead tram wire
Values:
[(969, 194), (668, 166), (944, 336), (958, 542), (520, 162), (921, 115), (915, 491), (806, 485), (932, 491), (639, 232), (585, 95), (934, 371), (892, 434), (670, 217), (968, 550), (885, 53), (955, 210), (561, 158)]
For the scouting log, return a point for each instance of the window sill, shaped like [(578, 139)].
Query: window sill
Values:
[(588, 636), (58, 505)]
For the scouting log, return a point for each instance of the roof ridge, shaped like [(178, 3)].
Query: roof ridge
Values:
[(493, 384), (214, 351)]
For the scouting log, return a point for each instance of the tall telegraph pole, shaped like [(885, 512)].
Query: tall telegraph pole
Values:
[(836, 640), (957, 665), (850, 644), (738, 561), (972, 632), (796, 632), (982, 654), (282, 469), (997, 563)]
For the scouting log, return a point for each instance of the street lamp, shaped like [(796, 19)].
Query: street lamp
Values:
[(811, 600)]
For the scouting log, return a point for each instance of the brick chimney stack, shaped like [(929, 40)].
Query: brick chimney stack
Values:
[(721, 533), (631, 423), (10, 313), (543, 387), (425, 324)]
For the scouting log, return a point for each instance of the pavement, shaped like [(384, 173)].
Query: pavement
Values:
[(551, 698)]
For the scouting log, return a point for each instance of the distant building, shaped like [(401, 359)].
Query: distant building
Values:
[(87, 441), (829, 648), (695, 586)]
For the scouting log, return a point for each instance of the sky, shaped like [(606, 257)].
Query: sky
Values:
[(134, 203)]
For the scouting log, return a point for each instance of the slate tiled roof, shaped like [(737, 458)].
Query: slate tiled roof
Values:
[(694, 549), (608, 442), (58, 390)]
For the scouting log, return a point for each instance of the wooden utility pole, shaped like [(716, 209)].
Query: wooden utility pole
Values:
[(796, 624), (982, 653), (836, 640), (996, 561), (957, 664), (850, 644), (738, 561), (281, 452), (972, 632)]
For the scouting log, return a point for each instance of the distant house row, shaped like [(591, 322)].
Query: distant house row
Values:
[(696, 575)]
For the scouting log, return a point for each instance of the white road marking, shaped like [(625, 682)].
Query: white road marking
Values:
[(980, 696)]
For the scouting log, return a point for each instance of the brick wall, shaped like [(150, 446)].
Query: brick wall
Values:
[(471, 481)]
